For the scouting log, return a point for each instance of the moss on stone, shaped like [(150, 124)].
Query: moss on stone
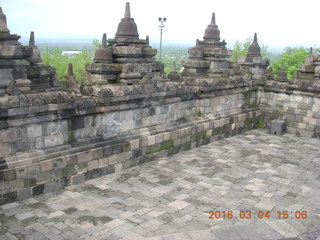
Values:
[(91, 188), (166, 145), (68, 171), (152, 149), (198, 113), (125, 147), (70, 210), (216, 130), (187, 146), (200, 135), (303, 107), (261, 123)]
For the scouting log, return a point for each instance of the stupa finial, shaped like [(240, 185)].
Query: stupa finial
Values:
[(104, 40), (255, 38), (3, 22), (127, 13), (174, 67), (70, 70), (31, 40), (213, 19)]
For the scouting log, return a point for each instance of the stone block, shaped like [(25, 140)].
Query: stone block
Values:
[(51, 128), (92, 165), (39, 142), (102, 162), (8, 135), (59, 162), (53, 186), (43, 177), (9, 174), (5, 149), (53, 107), (77, 122), (21, 172), (37, 190), (159, 138), (134, 144), (118, 167), (88, 121), (84, 156), (33, 170), (126, 125), (53, 140), (24, 194), (77, 179), (46, 165), (71, 160), (151, 140), (34, 131), (29, 182), (97, 153), (16, 184)]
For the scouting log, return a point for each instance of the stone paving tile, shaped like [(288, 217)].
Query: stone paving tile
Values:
[(171, 198)]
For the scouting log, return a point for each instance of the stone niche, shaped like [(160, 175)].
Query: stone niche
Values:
[(126, 59)]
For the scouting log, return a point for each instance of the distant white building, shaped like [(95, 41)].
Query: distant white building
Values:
[(70, 53)]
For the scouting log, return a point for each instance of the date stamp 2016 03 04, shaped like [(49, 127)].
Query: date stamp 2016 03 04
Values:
[(245, 214)]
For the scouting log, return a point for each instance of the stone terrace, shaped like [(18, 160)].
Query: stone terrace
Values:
[(170, 198)]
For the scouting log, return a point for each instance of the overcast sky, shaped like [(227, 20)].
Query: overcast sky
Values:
[(277, 22)]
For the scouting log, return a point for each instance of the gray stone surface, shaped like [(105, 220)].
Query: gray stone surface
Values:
[(171, 198)]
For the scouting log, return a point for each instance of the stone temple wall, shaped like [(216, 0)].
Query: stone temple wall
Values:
[(300, 110), (51, 140)]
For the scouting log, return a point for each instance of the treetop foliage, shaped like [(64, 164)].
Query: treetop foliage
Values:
[(291, 58), (241, 49)]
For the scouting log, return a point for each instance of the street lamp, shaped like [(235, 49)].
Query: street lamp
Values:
[(161, 26)]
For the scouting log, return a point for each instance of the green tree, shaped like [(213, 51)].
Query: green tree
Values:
[(241, 49), (292, 58), (96, 43), (56, 60), (60, 62)]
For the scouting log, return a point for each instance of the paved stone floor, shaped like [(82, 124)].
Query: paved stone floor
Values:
[(171, 198)]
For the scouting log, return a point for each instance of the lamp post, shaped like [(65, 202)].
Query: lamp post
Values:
[(161, 26)]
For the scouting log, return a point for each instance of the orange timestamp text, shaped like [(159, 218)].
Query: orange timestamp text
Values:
[(245, 214)]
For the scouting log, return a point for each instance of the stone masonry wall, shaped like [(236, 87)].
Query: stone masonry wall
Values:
[(300, 111), (49, 142), (56, 169)]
